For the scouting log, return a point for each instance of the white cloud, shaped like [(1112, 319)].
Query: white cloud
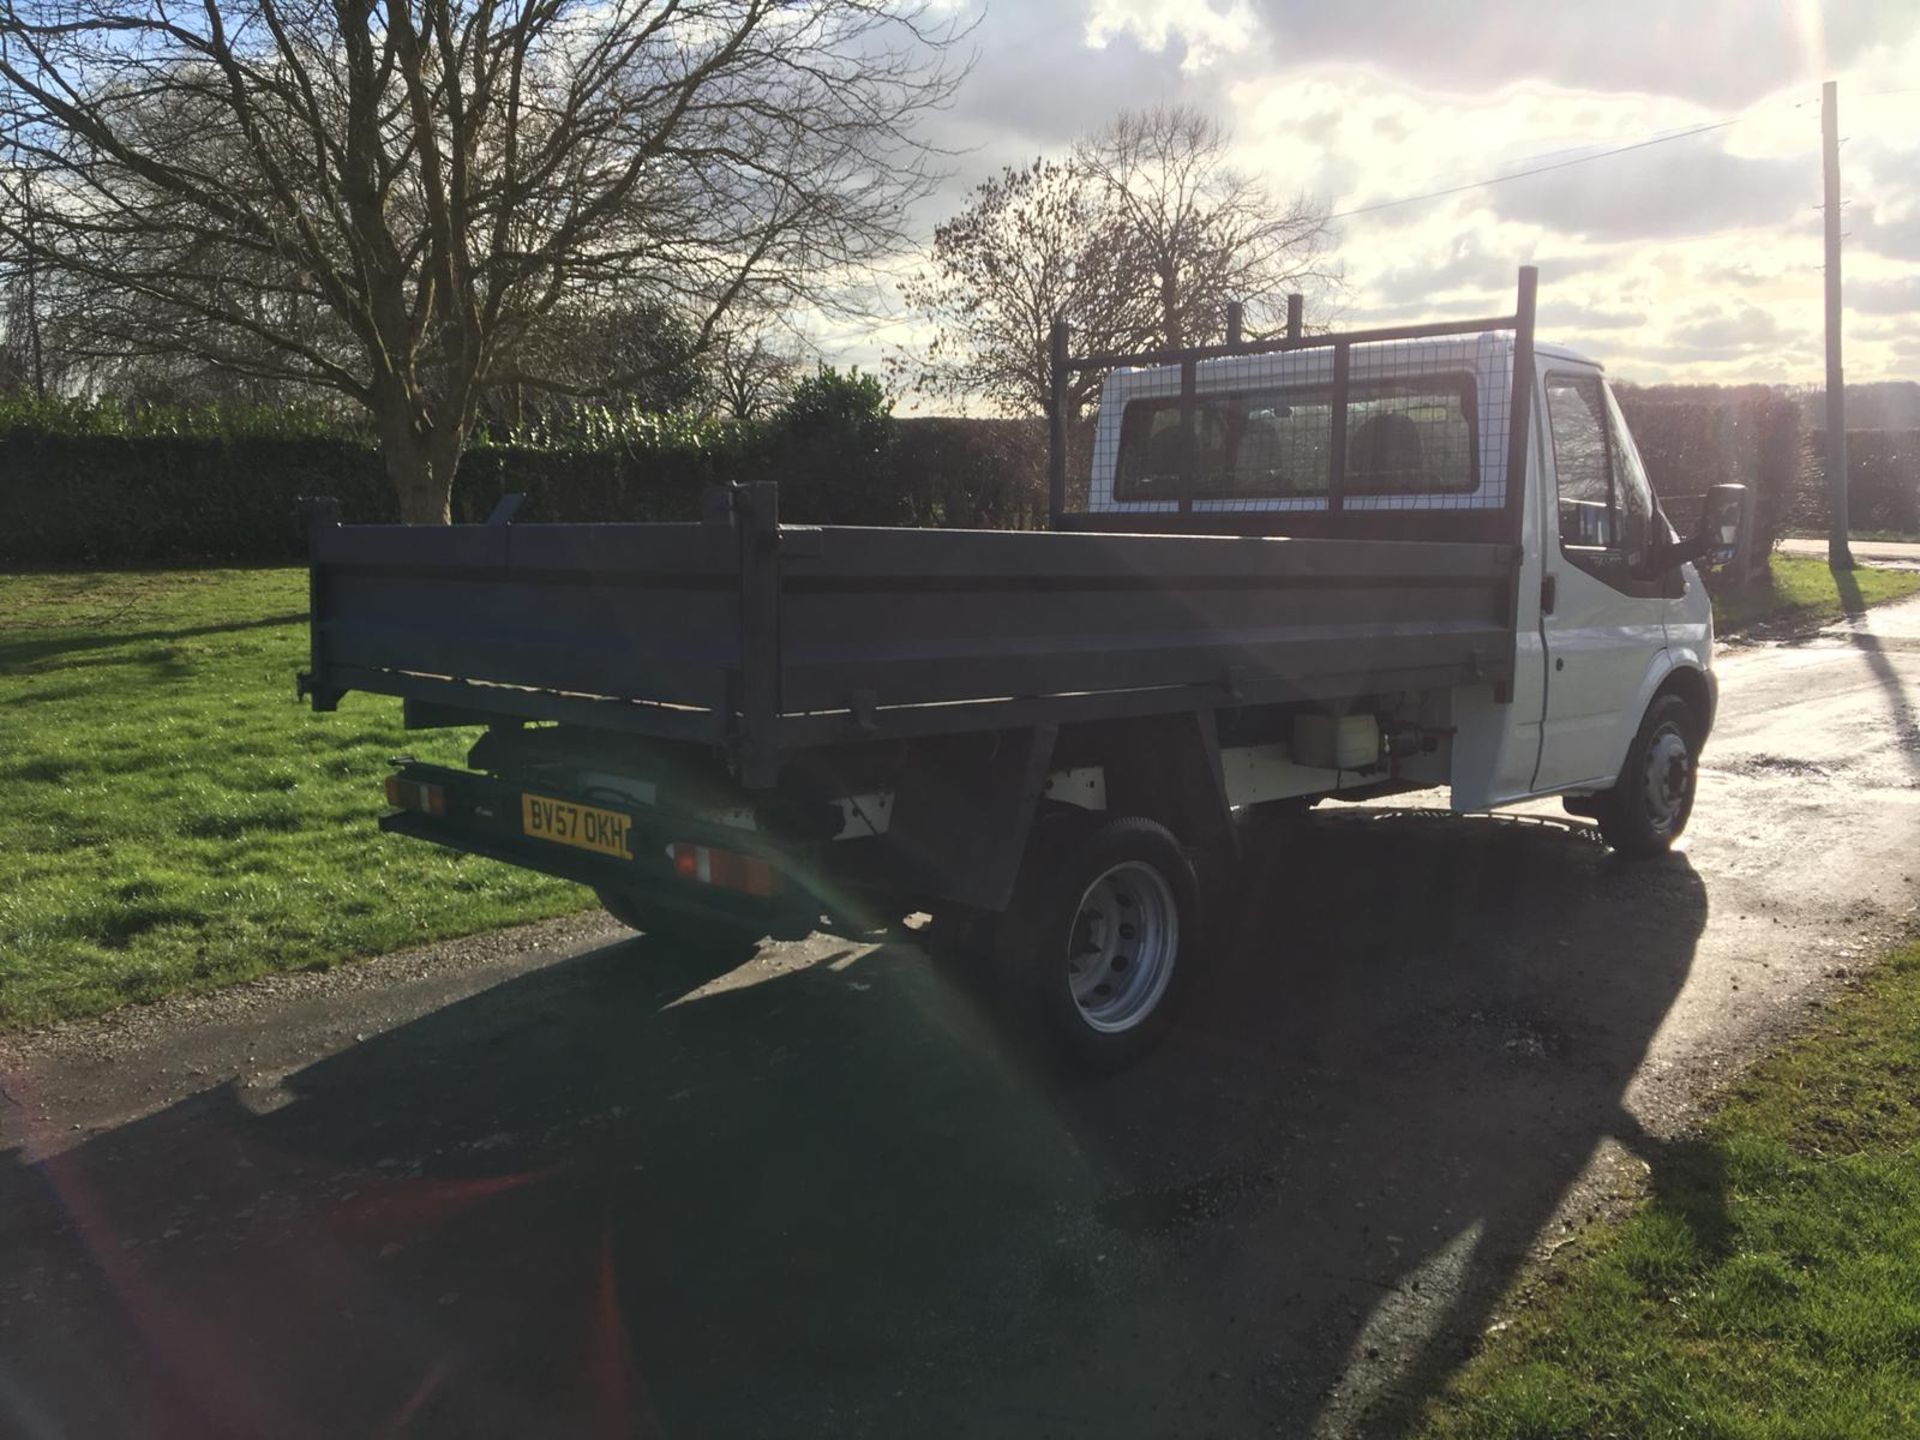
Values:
[(1203, 30), (1723, 53), (1725, 331), (1899, 296), (1888, 226), (1698, 258), (1689, 187), (1570, 317), (1463, 263)]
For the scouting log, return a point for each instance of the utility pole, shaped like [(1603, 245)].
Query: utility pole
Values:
[(1839, 552)]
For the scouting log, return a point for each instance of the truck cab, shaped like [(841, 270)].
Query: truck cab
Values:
[(1607, 617)]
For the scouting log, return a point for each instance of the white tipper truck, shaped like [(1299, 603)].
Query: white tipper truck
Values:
[(1342, 566)]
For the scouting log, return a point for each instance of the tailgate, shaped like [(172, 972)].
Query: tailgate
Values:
[(633, 627)]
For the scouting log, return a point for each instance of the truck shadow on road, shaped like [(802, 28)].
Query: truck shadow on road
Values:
[(611, 1197), (1873, 648)]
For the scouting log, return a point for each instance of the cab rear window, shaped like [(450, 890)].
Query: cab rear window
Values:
[(1411, 436)]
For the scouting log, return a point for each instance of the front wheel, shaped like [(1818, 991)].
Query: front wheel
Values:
[(1103, 937), (1648, 806)]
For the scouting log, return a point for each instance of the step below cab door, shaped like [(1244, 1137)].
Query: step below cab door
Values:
[(1602, 618)]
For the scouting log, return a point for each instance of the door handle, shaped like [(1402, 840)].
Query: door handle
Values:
[(1549, 593)]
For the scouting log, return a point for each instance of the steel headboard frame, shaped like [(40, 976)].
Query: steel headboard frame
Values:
[(1063, 365)]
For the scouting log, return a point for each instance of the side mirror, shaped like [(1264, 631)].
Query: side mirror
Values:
[(1723, 515)]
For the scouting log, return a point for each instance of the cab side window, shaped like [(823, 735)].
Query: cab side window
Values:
[(1645, 525), (1606, 508), (1582, 462)]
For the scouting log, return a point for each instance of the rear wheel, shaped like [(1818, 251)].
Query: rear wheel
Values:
[(1649, 804), (1102, 940), (711, 935)]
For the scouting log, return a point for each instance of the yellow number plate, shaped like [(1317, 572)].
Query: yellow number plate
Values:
[(582, 826)]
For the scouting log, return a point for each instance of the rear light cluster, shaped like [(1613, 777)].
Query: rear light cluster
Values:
[(412, 795), (728, 869)]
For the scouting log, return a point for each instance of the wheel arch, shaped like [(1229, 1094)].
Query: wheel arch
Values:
[(1667, 674), (1166, 769), (1691, 684)]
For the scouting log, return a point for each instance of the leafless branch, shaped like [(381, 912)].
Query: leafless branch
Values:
[(395, 199)]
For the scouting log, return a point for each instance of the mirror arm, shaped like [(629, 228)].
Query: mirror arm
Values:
[(1680, 552), (1669, 555)]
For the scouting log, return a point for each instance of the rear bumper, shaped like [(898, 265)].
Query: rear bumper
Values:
[(482, 817)]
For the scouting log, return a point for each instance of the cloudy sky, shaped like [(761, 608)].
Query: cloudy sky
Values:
[(1695, 259)]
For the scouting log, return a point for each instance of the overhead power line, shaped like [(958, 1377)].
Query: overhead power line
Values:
[(1535, 170)]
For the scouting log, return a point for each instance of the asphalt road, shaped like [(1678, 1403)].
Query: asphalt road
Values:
[(562, 1182)]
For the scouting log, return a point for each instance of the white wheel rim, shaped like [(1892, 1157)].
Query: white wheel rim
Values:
[(1121, 946), (1669, 776)]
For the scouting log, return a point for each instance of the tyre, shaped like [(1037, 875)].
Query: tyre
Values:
[(1102, 940), (1647, 808), (713, 936), (959, 938)]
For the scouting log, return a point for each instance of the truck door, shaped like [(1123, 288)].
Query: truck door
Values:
[(1602, 615)]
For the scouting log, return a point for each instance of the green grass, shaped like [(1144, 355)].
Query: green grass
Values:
[(1804, 591), (1903, 536), (175, 820), (1769, 1287)]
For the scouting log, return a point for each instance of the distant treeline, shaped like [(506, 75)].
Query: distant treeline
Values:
[(1883, 482), (1695, 437), (1871, 405), (104, 485), (1875, 405)]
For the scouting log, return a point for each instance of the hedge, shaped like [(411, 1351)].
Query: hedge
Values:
[(1752, 437), (110, 499), (1883, 482), (973, 474), (86, 498), (115, 500)]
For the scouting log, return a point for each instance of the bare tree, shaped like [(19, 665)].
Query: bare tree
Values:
[(388, 197), (1031, 245), (578, 351), (752, 370), (1201, 232), (1140, 236), (23, 358)]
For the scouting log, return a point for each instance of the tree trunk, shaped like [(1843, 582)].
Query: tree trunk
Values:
[(425, 499), (420, 470), (421, 450), (1170, 308)]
